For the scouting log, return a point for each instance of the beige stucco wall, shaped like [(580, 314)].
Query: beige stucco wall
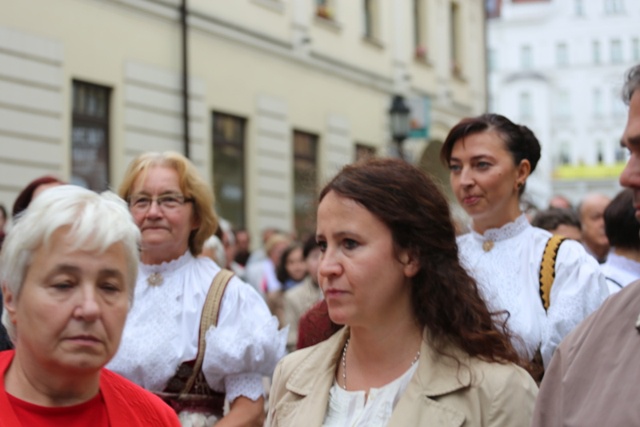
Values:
[(246, 58)]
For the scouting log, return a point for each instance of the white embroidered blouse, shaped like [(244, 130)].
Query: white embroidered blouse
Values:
[(162, 329), (509, 278)]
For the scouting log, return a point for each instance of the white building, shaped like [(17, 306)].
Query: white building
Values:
[(281, 93), (558, 67)]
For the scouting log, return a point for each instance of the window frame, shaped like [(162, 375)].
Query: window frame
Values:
[(219, 143), (86, 120)]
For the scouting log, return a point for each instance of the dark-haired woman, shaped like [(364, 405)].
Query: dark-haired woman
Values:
[(292, 269), (420, 346), (622, 266), (490, 159)]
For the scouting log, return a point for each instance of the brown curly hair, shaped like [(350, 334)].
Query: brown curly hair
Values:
[(445, 298)]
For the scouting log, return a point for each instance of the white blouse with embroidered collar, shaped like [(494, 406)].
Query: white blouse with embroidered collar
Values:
[(508, 277), (162, 330)]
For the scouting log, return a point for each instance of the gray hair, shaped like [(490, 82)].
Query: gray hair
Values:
[(631, 84), (95, 221)]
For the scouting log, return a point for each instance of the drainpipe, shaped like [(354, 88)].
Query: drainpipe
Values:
[(185, 77)]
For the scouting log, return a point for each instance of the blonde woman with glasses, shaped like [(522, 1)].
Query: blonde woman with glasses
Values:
[(169, 346)]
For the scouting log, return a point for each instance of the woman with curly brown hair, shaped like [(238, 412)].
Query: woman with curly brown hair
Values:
[(419, 344)]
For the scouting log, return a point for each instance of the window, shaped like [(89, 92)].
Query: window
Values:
[(364, 152), (526, 60), (613, 6), (618, 108), (305, 165), (616, 51), (456, 47), (491, 104), (324, 9), (526, 110), (579, 7), (635, 49), (491, 59), (562, 55), (371, 19), (90, 136), (598, 107), (564, 153), (419, 29), (229, 167), (563, 107), (599, 153), (620, 154), (492, 8), (595, 51)]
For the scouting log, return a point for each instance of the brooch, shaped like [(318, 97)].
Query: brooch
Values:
[(487, 245), (155, 279)]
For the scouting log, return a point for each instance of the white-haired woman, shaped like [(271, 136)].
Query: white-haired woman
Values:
[(169, 346), (68, 267)]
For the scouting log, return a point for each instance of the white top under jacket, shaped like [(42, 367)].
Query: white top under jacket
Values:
[(162, 329), (620, 271), (358, 409), (509, 279)]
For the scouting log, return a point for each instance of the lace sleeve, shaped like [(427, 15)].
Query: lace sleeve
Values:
[(579, 289)]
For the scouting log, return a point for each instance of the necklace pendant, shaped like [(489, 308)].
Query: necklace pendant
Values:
[(487, 245), (155, 279)]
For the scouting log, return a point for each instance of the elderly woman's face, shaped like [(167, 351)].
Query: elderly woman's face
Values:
[(72, 307), (165, 227)]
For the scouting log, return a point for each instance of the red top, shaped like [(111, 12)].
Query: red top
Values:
[(90, 413), (315, 325), (119, 403)]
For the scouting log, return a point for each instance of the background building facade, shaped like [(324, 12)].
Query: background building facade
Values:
[(269, 98), (557, 66)]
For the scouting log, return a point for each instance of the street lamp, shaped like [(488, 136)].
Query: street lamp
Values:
[(400, 124)]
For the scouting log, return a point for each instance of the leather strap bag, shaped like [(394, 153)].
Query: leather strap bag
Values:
[(188, 389)]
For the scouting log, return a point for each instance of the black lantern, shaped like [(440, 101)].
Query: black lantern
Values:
[(400, 123)]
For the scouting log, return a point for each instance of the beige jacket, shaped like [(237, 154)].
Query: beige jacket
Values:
[(440, 393)]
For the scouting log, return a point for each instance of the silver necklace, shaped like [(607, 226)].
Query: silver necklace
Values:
[(344, 363)]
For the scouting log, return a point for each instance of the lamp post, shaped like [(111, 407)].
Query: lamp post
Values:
[(399, 120)]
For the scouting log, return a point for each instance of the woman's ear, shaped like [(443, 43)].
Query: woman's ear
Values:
[(410, 263), (523, 172), (9, 300), (195, 221)]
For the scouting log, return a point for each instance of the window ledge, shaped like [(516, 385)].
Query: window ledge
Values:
[(458, 76), (328, 23), (274, 5), (373, 41), (423, 61)]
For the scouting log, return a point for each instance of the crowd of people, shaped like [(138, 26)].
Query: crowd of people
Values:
[(146, 308)]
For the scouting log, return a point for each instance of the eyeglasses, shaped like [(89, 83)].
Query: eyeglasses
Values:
[(166, 202)]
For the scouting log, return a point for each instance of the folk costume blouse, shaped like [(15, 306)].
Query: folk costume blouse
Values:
[(506, 263), (163, 324)]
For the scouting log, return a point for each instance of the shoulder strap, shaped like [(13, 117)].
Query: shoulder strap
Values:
[(209, 318), (548, 268)]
